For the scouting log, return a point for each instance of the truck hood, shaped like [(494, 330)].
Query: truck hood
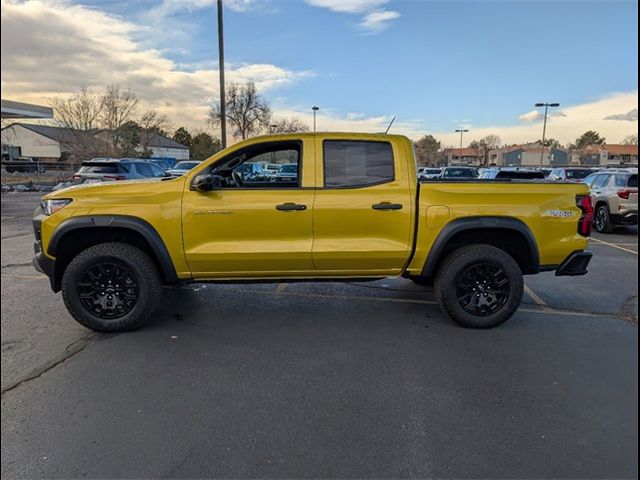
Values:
[(120, 187)]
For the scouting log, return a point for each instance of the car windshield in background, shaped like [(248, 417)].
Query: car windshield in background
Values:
[(578, 173), (185, 165), (101, 168), (460, 173), (289, 169)]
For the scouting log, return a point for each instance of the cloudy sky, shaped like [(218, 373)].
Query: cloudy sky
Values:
[(436, 65)]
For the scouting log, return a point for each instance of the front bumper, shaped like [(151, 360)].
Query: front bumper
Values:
[(575, 264), (41, 262)]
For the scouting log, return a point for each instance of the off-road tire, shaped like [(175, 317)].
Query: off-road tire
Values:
[(140, 266), (604, 223), (455, 266)]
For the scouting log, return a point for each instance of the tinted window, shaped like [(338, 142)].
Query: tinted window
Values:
[(589, 180), (460, 173), (577, 173), (519, 174), (144, 169), (632, 181), (354, 164)]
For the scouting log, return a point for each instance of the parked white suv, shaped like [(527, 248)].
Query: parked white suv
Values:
[(614, 194)]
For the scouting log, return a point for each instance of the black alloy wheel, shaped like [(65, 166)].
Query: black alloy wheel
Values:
[(108, 290), (483, 289)]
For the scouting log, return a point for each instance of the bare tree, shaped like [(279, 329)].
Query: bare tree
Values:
[(247, 112), (152, 123), (483, 146), (630, 139), (118, 107), (288, 125), (80, 114), (81, 111)]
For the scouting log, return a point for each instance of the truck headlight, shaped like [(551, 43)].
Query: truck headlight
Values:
[(52, 206)]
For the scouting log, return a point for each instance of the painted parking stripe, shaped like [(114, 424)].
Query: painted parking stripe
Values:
[(18, 236), (26, 277), (535, 297), (613, 245)]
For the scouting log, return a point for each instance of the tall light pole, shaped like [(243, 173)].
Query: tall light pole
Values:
[(461, 130), (315, 109), (544, 125), (223, 105)]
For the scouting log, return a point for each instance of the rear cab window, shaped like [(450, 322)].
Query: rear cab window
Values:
[(352, 164)]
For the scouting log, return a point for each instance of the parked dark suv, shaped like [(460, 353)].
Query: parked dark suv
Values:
[(110, 169)]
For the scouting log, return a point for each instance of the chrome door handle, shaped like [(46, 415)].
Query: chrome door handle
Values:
[(386, 206), (290, 206)]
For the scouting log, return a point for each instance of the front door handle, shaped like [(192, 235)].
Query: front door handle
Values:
[(290, 206), (386, 206)]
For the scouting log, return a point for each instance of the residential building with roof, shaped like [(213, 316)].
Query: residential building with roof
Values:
[(52, 144), (461, 156), (608, 155), (529, 155)]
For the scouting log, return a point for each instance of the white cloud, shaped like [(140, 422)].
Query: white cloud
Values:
[(374, 18), (53, 49), (348, 6), (630, 116), (531, 116), (378, 20), (167, 7)]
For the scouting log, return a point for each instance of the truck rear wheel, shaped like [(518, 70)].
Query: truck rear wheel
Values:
[(111, 287), (479, 286)]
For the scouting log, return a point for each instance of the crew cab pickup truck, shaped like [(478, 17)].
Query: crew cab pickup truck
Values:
[(354, 210)]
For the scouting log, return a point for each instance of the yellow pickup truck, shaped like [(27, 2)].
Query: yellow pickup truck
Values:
[(340, 206)]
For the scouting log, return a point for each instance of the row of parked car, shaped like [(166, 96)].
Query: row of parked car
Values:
[(111, 169), (614, 192)]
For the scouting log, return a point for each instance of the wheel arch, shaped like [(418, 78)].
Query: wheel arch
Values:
[(507, 233), (78, 233)]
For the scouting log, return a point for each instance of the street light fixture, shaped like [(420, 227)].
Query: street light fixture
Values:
[(315, 108), (461, 130), (544, 125)]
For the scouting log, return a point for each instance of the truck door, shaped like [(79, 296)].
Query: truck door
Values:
[(254, 223), (363, 210)]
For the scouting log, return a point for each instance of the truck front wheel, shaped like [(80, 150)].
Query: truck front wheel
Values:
[(111, 287), (479, 286)]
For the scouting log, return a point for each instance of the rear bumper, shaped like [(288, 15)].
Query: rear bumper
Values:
[(626, 218), (575, 264)]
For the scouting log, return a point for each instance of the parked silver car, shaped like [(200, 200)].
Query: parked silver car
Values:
[(614, 194), (569, 174), (111, 169), (181, 168)]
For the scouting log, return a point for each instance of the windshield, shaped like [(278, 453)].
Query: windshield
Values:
[(460, 173), (289, 169), (578, 173), (185, 165)]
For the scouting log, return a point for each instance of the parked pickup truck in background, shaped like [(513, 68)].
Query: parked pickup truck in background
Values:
[(353, 210)]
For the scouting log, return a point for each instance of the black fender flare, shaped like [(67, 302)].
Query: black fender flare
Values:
[(485, 223), (138, 225)]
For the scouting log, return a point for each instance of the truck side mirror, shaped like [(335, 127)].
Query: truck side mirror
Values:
[(206, 182)]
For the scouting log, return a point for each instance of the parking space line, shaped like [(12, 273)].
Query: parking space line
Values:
[(18, 236), (613, 245), (535, 297), (281, 287)]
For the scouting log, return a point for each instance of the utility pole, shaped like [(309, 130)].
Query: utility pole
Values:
[(544, 125), (223, 105), (461, 130)]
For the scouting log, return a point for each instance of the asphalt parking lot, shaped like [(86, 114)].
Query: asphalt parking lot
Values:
[(322, 380)]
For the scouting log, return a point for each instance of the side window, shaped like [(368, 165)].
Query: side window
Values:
[(589, 180), (357, 163), (144, 169), (246, 168), (621, 180), (601, 181)]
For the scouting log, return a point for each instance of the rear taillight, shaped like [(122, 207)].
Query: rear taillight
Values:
[(114, 177), (586, 220), (626, 192), (75, 177)]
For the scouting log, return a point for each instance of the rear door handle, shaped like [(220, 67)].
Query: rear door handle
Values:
[(290, 206), (386, 206)]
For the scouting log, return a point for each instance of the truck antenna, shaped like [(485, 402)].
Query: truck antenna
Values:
[(390, 123)]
